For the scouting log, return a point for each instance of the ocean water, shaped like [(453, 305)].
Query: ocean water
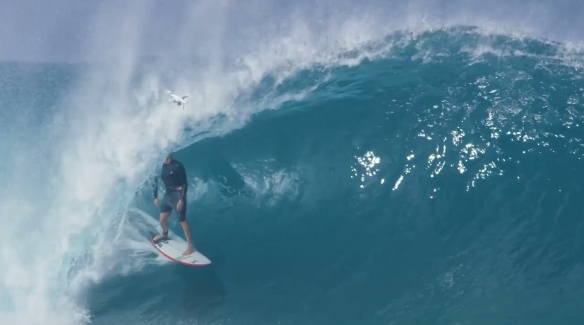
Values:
[(415, 178)]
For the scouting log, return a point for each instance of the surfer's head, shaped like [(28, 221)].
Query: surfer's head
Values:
[(168, 158)]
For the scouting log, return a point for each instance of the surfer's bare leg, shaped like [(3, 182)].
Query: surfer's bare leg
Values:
[(181, 210), (190, 249), (163, 225)]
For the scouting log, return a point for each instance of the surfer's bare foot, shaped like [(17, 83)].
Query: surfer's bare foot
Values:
[(159, 237), (189, 251)]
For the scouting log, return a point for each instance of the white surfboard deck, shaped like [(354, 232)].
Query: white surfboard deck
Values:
[(173, 249)]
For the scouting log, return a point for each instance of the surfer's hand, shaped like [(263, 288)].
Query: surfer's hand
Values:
[(179, 205), (156, 203)]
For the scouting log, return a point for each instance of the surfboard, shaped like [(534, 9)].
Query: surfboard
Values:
[(173, 249)]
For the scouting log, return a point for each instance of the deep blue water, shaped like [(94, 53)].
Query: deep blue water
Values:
[(436, 184)]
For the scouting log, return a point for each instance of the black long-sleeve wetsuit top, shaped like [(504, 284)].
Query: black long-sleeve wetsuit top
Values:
[(174, 176)]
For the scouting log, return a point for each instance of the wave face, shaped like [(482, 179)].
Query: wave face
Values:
[(435, 182)]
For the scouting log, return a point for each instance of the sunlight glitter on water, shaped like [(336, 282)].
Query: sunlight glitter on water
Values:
[(368, 162)]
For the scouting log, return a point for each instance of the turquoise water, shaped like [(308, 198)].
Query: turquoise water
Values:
[(435, 182)]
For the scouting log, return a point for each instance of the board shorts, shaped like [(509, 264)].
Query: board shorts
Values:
[(169, 203)]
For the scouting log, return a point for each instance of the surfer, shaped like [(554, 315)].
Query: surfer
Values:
[(174, 176)]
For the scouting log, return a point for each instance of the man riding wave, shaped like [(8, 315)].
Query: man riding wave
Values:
[(174, 177)]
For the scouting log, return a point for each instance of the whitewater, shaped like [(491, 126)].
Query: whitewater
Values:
[(375, 171)]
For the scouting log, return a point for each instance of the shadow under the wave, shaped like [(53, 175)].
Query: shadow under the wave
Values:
[(159, 292)]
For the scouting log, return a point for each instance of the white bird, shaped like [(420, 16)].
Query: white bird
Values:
[(180, 101)]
